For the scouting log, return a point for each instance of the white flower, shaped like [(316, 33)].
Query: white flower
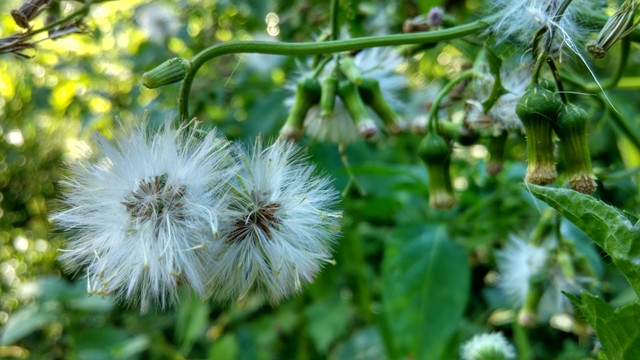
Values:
[(488, 346), (280, 228), (519, 20), (159, 23), (143, 211), (517, 263)]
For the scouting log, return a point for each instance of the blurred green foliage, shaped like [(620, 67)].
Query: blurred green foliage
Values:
[(388, 280)]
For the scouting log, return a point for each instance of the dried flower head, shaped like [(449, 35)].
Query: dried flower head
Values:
[(280, 226), (141, 213)]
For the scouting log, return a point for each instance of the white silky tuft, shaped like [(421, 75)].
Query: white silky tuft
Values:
[(142, 212), (488, 346), (517, 263), (281, 226)]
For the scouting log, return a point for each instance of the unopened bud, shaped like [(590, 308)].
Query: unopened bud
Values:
[(372, 96), (167, 73), (355, 106), (538, 109), (497, 145), (350, 70), (307, 94), (572, 131), (328, 96), (436, 155)]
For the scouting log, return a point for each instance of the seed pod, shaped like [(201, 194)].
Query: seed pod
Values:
[(27, 12), (435, 153), (307, 94), (572, 131), (372, 96), (538, 109), (355, 106)]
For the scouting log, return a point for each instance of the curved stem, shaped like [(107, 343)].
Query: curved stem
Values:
[(433, 112), (314, 48)]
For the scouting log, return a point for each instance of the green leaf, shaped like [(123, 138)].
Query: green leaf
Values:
[(604, 224), (224, 348), (365, 344), (30, 318), (617, 331), (426, 281), (191, 321), (328, 320)]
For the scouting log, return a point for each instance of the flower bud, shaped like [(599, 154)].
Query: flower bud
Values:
[(307, 94), (167, 73), (435, 153), (528, 314), (572, 131), (328, 96), (538, 109), (355, 106), (372, 96), (350, 70), (618, 26), (496, 154)]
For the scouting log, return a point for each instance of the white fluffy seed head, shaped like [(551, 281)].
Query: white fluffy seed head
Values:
[(517, 263), (515, 77), (518, 20), (279, 229), (142, 211), (488, 346)]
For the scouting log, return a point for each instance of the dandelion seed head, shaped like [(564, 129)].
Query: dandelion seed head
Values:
[(139, 212), (280, 226)]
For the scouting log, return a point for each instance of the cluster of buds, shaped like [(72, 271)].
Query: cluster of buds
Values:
[(356, 93), (541, 113)]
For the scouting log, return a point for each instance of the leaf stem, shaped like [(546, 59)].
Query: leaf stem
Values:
[(433, 112)]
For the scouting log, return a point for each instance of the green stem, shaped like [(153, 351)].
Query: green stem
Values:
[(335, 27), (80, 12), (433, 112), (556, 77), (314, 48)]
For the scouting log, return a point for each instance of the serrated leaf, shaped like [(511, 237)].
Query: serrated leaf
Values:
[(604, 224), (426, 288), (617, 331)]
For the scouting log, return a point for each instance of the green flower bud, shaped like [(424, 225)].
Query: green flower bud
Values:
[(307, 94), (528, 314), (355, 106), (572, 131), (497, 145), (372, 96), (435, 153), (167, 73), (538, 109), (328, 96), (350, 70)]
